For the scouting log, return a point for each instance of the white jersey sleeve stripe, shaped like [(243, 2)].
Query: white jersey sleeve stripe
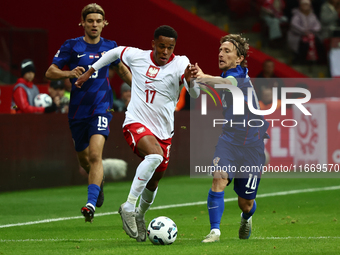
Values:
[(121, 54)]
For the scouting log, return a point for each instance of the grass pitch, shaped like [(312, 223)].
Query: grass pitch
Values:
[(48, 221)]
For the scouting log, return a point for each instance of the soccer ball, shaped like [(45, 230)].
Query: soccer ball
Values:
[(162, 231), (42, 100)]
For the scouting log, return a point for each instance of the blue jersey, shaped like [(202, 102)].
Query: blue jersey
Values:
[(95, 96), (238, 133)]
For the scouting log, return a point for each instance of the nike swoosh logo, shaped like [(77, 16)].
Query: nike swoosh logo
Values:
[(100, 129), (141, 179), (125, 225), (249, 192), (212, 207), (26, 64), (146, 82), (79, 56)]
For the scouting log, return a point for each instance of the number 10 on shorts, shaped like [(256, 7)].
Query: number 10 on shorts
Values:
[(253, 181)]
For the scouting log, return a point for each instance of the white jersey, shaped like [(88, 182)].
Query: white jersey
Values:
[(154, 90)]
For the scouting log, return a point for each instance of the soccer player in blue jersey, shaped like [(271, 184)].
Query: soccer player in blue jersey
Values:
[(239, 145), (89, 109)]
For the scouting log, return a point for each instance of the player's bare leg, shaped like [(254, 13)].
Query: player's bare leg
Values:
[(91, 160), (149, 148), (95, 159), (248, 207), (216, 205), (220, 181), (147, 197), (83, 158)]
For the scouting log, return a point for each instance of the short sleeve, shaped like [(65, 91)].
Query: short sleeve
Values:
[(62, 57), (129, 54), (183, 64)]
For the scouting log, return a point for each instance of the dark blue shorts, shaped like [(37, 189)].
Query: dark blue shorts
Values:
[(243, 164), (83, 129)]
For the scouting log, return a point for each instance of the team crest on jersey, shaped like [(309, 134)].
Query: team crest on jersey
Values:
[(152, 71), (140, 130), (215, 161)]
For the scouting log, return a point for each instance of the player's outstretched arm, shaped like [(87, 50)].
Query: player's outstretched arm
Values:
[(54, 73), (108, 57), (84, 77), (123, 72), (202, 78)]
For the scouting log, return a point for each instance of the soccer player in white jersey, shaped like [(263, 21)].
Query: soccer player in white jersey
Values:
[(157, 79)]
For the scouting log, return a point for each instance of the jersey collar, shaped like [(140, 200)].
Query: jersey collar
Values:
[(153, 61)]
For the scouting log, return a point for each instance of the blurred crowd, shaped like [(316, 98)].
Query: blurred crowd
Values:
[(306, 25), (27, 98)]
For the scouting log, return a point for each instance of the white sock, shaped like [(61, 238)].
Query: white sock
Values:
[(217, 231), (144, 173), (91, 205), (146, 201)]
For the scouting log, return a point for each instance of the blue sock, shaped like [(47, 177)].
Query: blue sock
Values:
[(215, 208), (92, 194), (246, 216)]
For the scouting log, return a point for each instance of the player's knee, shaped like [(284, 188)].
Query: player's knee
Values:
[(219, 183), (154, 160), (155, 150), (246, 205), (94, 157)]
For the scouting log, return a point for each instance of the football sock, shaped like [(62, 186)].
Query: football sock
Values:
[(146, 201), (92, 194), (215, 208), (246, 216), (217, 231), (143, 174)]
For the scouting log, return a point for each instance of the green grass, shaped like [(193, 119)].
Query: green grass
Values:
[(303, 223)]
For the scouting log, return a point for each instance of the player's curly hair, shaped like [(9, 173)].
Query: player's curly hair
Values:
[(241, 45), (166, 31), (93, 8)]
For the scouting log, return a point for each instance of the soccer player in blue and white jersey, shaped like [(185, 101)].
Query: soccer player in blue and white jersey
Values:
[(239, 145), (89, 110)]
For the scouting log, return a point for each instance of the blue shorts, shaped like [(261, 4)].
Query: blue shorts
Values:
[(83, 129), (243, 164)]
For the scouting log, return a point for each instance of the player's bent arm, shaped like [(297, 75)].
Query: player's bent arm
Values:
[(108, 57), (202, 78), (194, 91), (54, 73), (123, 72), (212, 80), (84, 77)]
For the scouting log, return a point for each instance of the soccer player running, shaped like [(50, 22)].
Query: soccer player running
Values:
[(239, 145), (157, 79), (89, 109)]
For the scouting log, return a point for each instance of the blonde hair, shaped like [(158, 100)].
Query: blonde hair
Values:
[(240, 44), (93, 8)]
